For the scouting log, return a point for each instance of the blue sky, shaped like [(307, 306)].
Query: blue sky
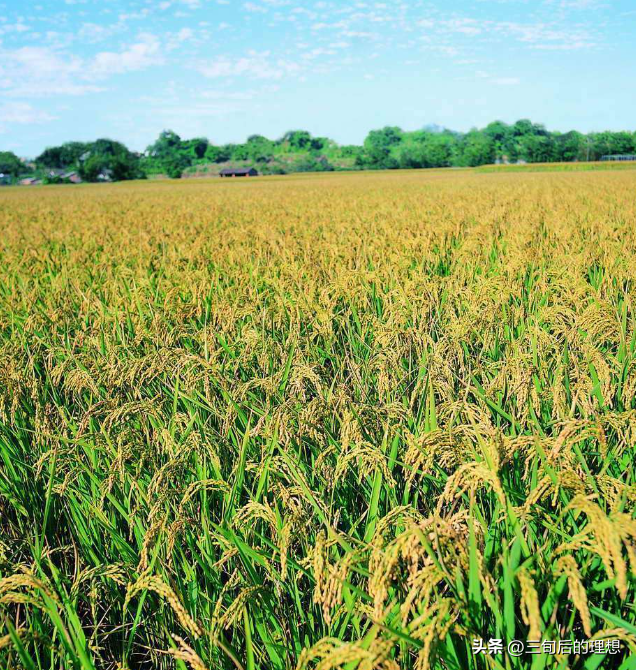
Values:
[(224, 69)]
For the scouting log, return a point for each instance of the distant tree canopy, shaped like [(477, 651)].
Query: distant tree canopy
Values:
[(10, 164), (378, 148), (172, 155), (295, 151), (63, 156), (298, 151), (93, 159), (109, 157), (524, 141)]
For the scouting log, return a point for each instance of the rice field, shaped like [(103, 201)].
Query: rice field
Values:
[(353, 422)]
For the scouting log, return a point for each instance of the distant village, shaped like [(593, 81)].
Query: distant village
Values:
[(61, 177), (71, 163), (387, 148)]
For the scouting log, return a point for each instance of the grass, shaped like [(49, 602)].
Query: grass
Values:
[(338, 421), (583, 166)]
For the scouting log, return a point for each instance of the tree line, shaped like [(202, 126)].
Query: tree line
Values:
[(92, 161), (298, 151)]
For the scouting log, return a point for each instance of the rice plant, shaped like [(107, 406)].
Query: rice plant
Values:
[(348, 422)]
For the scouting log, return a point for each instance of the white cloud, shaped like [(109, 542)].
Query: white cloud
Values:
[(359, 34), (228, 95), (175, 40), (498, 81), (184, 34), (174, 116), (254, 65), (39, 71), (138, 56), (21, 113), (544, 36), (134, 16), (8, 28), (506, 81), (93, 32), (31, 72), (190, 4), (464, 26), (536, 35), (317, 53), (566, 46), (263, 5), (254, 8), (578, 4)]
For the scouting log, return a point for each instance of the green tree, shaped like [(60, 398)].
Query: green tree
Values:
[(439, 149), (165, 146), (319, 143), (51, 157), (622, 143), (523, 127), (71, 152), (215, 154), (114, 157), (175, 166), (412, 155), (476, 149), (92, 167), (10, 164), (297, 139), (309, 163), (536, 148), (194, 149), (425, 149), (64, 156), (379, 146), (258, 148), (501, 135), (239, 152), (571, 146), (172, 155)]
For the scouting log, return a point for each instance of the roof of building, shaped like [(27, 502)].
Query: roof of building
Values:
[(105, 175), (239, 170)]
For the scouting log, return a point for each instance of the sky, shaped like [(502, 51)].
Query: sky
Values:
[(226, 69)]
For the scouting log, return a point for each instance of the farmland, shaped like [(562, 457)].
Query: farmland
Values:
[(348, 421)]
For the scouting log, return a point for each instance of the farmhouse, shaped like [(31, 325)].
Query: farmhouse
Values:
[(619, 157), (238, 172), (72, 176)]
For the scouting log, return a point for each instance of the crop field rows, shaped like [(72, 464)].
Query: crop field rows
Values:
[(320, 422)]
